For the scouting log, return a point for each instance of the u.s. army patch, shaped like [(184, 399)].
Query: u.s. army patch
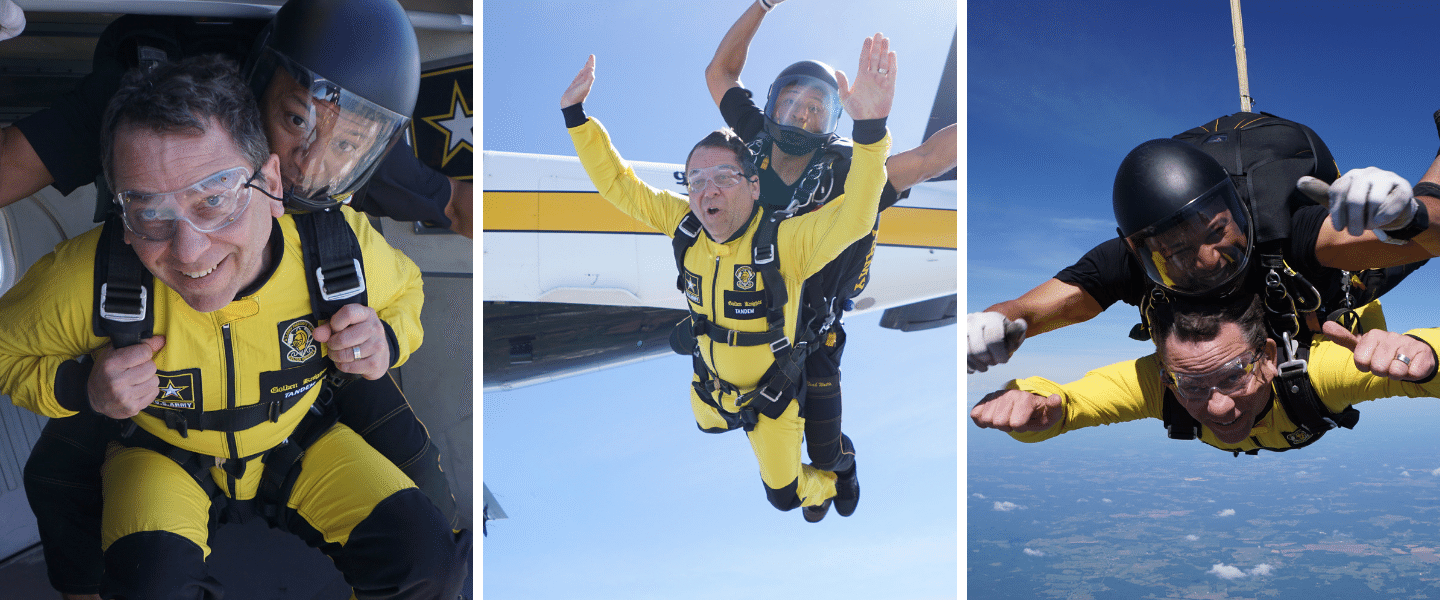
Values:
[(178, 389), (692, 288), (297, 341)]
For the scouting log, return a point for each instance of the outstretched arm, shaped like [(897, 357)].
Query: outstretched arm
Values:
[(924, 162), (992, 336), (723, 72)]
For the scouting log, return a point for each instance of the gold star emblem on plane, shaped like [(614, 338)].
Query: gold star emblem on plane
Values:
[(458, 126)]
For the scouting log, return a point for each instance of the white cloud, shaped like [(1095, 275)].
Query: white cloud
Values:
[(1082, 499), (1302, 473), (1436, 472), (1192, 537), (1006, 506), (1229, 512), (1030, 552), (1224, 571), (978, 495), (1404, 473), (1106, 500)]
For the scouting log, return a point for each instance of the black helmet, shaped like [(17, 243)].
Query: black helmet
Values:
[(810, 85), (336, 81), (1180, 214)]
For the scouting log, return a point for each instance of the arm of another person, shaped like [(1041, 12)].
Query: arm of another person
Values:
[(21, 171), (723, 72), (1050, 306), (615, 180), (931, 159), (1348, 369), (1360, 196)]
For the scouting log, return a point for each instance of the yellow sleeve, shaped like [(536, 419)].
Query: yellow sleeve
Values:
[(617, 183), (393, 286), (810, 241), (1124, 391), (45, 321)]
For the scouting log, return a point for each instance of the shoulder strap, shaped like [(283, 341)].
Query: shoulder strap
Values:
[(1296, 394), (686, 232), (334, 268), (124, 303)]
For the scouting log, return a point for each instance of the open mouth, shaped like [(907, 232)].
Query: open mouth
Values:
[(712, 211)]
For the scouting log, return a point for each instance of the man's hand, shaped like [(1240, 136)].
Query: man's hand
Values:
[(579, 88), (356, 341), (1368, 199), (123, 380), (1384, 353), (874, 83), (990, 339), (1014, 410)]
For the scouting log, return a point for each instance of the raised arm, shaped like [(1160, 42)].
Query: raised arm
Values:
[(1370, 201), (723, 72)]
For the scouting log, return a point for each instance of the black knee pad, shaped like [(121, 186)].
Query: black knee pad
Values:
[(404, 549), (784, 498), (157, 565), (62, 485)]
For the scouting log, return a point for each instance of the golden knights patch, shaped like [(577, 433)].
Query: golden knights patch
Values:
[(297, 342), (1297, 437), (744, 278), (692, 288), (178, 389)]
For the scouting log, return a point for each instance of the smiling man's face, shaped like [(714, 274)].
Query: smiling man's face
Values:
[(206, 269)]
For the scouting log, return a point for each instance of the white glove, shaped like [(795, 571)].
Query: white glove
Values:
[(12, 20), (1371, 199), (990, 339), (766, 5)]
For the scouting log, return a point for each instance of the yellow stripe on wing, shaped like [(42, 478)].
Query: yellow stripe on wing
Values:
[(587, 212)]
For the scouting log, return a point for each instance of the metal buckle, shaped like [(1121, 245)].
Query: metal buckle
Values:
[(779, 345), (341, 294), (764, 255), (105, 312), (690, 225)]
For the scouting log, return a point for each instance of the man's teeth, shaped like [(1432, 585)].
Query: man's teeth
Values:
[(200, 274)]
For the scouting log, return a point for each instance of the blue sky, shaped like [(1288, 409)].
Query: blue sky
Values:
[(610, 488), (1059, 92)]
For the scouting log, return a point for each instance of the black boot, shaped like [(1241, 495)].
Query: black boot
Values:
[(813, 514), (847, 485)]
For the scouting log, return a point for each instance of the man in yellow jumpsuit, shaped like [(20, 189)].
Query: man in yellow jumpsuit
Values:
[(1220, 366), (234, 332), (722, 281)]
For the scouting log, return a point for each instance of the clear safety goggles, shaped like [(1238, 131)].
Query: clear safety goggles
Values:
[(1230, 379), (329, 139), (1203, 247), (209, 205), (724, 176), (806, 103)]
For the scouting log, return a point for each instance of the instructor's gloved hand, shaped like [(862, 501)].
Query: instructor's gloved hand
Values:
[(12, 20), (990, 339), (1368, 199)]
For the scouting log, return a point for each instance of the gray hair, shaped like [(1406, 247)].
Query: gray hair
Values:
[(727, 139), (182, 97)]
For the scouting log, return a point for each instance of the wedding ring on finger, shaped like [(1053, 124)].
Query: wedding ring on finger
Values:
[(882, 71), (1402, 358), (357, 352)]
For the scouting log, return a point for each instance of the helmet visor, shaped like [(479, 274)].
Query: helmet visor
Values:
[(1200, 249), (328, 139), (804, 102)]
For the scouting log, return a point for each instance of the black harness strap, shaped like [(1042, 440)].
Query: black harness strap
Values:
[(333, 264), (124, 303)]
